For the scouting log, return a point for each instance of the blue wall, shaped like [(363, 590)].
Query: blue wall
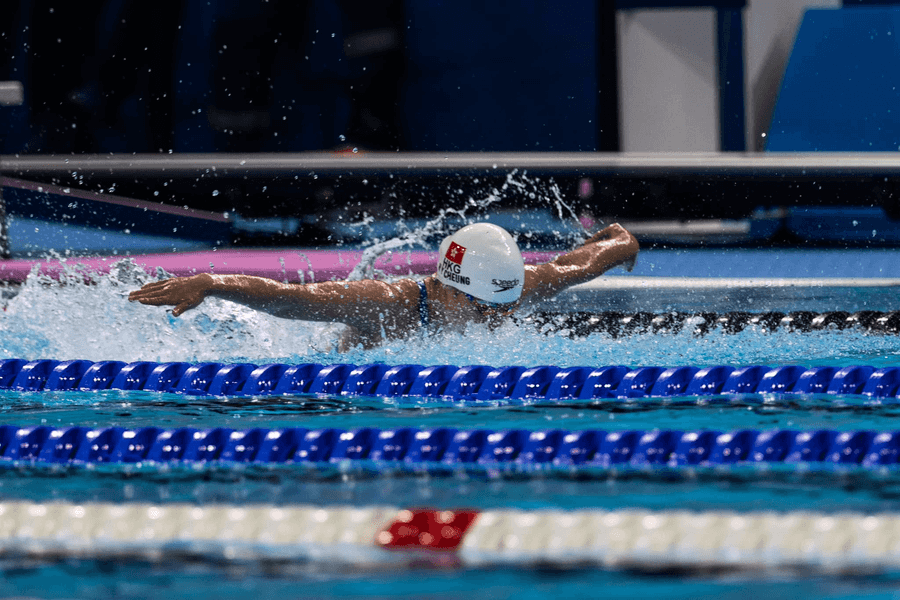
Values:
[(841, 88), (502, 75)]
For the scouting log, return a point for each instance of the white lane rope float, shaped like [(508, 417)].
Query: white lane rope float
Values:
[(376, 535)]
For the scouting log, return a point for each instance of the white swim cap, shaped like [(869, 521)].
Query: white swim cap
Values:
[(484, 261)]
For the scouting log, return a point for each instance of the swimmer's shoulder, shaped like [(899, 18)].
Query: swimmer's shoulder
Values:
[(406, 287), (404, 292)]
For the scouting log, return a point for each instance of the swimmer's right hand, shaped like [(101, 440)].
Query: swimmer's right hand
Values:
[(184, 293)]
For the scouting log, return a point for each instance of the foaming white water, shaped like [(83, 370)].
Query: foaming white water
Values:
[(88, 316), (474, 208)]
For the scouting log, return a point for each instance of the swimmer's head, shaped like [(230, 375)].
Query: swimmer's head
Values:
[(482, 260)]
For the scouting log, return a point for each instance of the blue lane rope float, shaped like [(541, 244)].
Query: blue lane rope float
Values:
[(439, 449), (473, 383)]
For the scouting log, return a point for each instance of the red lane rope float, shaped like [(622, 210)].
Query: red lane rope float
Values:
[(431, 529)]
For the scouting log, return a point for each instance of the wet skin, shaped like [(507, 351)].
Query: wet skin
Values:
[(376, 310)]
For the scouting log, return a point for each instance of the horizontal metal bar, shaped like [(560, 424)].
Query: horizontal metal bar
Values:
[(308, 164)]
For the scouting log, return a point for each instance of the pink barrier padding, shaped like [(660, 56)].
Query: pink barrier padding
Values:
[(291, 265)]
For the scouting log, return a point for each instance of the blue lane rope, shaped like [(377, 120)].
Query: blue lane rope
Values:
[(445, 448), (474, 383)]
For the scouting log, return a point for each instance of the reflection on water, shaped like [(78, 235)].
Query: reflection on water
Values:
[(735, 488), (185, 578), (721, 413)]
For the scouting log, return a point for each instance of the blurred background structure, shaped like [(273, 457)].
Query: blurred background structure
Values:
[(116, 75), (664, 77)]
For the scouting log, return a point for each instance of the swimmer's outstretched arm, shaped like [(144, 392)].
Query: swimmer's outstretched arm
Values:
[(611, 247), (356, 303)]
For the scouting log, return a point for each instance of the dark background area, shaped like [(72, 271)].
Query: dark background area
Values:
[(354, 78), (287, 76)]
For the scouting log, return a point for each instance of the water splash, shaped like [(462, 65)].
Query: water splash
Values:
[(87, 316), (473, 209)]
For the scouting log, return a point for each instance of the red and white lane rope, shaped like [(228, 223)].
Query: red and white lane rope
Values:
[(376, 534)]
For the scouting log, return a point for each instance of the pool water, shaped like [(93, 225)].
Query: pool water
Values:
[(184, 580), (95, 322)]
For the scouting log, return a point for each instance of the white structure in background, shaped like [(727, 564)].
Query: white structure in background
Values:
[(667, 71)]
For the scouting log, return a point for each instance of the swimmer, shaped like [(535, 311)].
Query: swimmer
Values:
[(481, 278)]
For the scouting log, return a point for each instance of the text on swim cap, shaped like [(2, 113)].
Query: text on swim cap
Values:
[(450, 271), (504, 285), (455, 253)]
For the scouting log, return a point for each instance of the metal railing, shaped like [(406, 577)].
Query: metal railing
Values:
[(311, 164)]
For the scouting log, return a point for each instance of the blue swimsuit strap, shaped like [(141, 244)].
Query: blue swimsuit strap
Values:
[(423, 304)]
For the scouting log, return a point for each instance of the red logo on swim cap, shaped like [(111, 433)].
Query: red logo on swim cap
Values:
[(455, 253)]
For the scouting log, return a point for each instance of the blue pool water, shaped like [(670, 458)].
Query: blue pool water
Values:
[(87, 579), (94, 322)]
